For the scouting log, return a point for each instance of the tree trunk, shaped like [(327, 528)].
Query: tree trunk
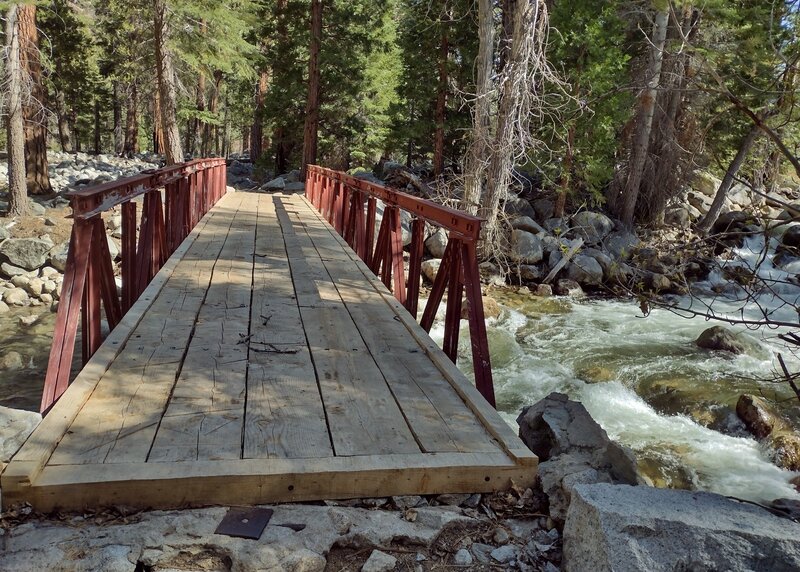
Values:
[(257, 132), (119, 140), (97, 118), (18, 203), (500, 165), (643, 127), (131, 146), (727, 181), (475, 163), (441, 96), (566, 174), (226, 140), (211, 133), (311, 127), (165, 75), (33, 104), (663, 179), (509, 6), (76, 133), (158, 130), (197, 124), (64, 134)]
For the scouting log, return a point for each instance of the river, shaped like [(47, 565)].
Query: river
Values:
[(646, 382)]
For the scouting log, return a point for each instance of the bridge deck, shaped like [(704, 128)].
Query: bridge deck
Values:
[(264, 363)]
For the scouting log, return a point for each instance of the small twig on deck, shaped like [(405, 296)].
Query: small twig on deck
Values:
[(271, 349)]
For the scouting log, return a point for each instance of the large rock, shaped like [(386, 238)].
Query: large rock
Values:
[(786, 451), (757, 415), (16, 297), (610, 268), (544, 208), (790, 240), (519, 206), (706, 183), (585, 270), (27, 253), (621, 528), (296, 187), (15, 426), (526, 248), (276, 184), (57, 256), (723, 339), (430, 268), (572, 449), (527, 224), (621, 244), (591, 226), (678, 216), (436, 243), (567, 287)]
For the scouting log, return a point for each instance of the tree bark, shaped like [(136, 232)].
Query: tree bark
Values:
[(64, 134), (131, 146), (257, 132), (198, 124), (165, 74), (643, 127), (97, 118), (311, 127), (440, 115), (119, 139), (727, 181), (33, 104), (475, 166), (17, 190), (75, 128), (158, 129), (211, 143)]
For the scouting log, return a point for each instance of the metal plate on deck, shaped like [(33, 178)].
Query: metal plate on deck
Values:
[(245, 522)]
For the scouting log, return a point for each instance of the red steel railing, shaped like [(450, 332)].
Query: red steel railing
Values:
[(350, 205), (190, 190)]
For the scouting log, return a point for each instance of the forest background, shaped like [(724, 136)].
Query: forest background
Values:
[(632, 98)]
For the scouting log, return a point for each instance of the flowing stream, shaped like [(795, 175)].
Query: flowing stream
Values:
[(646, 382)]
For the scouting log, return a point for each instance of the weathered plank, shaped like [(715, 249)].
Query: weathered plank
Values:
[(149, 363), (436, 414), (285, 417), (484, 412), (363, 416), (174, 485), (205, 415)]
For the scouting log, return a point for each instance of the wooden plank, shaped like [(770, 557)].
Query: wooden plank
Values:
[(363, 416), (202, 483), (285, 417), (101, 435), (491, 420), (312, 285), (435, 412), (205, 415), (275, 311), (35, 452)]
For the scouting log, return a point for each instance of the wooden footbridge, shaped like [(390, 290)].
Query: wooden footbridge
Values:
[(255, 356)]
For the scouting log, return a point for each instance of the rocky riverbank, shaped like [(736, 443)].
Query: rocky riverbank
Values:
[(583, 514)]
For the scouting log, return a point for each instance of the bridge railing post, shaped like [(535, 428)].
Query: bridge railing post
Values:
[(340, 199)]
